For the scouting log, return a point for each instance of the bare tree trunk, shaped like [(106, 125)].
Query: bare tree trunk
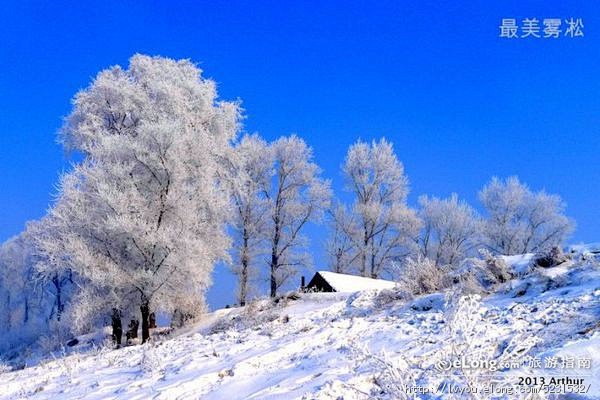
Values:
[(145, 310), (275, 259), (152, 320), (374, 271), (363, 255), (177, 319), (117, 327), (338, 261), (26, 316), (59, 305), (273, 270), (244, 272), (132, 331)]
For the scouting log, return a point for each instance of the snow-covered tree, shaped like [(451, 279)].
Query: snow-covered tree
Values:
[(339, 246), (57, 277), (29, 299), (450, 229), (142, 216), (521, 221), (17, 273), (252, 172), (296, 197), (380, 225)]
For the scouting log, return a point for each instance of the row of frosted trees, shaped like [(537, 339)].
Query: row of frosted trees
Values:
[(378, 228), (165, 189)]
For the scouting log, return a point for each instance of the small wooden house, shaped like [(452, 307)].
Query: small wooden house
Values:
[(326, 281)]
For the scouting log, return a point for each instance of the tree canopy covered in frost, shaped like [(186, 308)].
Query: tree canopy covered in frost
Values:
[(521, 221), (276, 191), (30, 300), (142, 217), (17, 285), (379, 224), (297, 195), (450, 229), (252, 173)]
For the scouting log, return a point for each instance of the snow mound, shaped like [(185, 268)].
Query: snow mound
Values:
[(519, 264)]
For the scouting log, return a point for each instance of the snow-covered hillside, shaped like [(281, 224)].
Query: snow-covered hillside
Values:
[(347, 346)]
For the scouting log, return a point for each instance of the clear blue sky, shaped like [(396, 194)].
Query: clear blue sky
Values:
[(459, 103)]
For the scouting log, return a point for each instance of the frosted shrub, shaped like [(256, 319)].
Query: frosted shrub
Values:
[(4, 368), (546, 282), (551, 258), (471, 335), (150, 361), (392, 376), (254, 315), (389, 296), (422, 276), (466, 281), (487, 271), (59, 333), (495, 266), (68, 364)]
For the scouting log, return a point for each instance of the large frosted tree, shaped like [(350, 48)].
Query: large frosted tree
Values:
[(143, 214), (450, 229), (521, 221), (380, 225), (252, 171), (297, 195)]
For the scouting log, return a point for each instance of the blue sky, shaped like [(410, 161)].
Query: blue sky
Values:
[(459, 103)]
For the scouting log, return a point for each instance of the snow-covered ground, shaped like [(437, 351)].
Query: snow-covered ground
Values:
[(347, 346)]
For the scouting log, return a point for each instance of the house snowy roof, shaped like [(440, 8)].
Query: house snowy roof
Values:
[(352, 283)]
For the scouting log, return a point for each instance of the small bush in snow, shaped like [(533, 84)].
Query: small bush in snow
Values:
[(552, 282), (254, 315), (478, 274), (150, 361), (496, 267), (392, 376), (551, 258), (471, 335), (4, 368), (422, 276), (69, 364), (389, 296), (59, 333)]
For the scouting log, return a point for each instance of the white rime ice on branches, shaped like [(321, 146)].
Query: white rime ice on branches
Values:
[(252, 172), (32, 300), (141, 218), (520, 221), (277, 191), (379, 226), (297, 195), (450, 229)]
